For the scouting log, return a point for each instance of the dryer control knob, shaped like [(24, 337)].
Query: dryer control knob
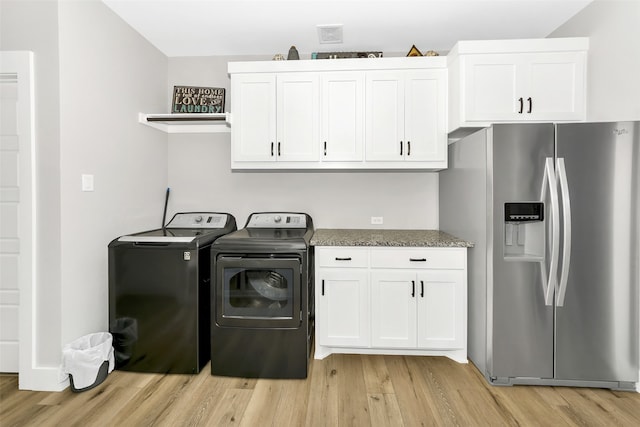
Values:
[(198, 218), (277, 218)]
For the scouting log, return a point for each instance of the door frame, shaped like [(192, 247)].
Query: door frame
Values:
[(17, 67)]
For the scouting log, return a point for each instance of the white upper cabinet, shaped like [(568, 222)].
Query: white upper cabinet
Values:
[(276, 117), (517, 81), (254, 120), (342, 118), (382, 113), (406, 117)]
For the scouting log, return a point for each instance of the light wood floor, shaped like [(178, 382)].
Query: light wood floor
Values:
[(342, 390)]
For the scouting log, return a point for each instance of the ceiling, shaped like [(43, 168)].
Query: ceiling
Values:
[(267, 27)]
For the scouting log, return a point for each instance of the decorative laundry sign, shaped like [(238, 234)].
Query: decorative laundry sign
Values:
[(194, 99)]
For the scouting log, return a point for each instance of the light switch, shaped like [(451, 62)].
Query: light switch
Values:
[(87, 182)]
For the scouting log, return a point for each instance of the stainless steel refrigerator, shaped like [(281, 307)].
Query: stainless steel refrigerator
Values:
[(553, 210)]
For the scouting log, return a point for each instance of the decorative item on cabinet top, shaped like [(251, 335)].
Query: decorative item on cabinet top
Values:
[(342, 55)]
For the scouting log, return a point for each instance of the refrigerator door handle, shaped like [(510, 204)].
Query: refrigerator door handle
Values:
[(566, 224), (549, 278)]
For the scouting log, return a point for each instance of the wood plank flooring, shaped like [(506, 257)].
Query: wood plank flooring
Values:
[(341, 390)]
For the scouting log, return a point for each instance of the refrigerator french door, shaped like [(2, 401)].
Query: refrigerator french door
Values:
[(553, 278)]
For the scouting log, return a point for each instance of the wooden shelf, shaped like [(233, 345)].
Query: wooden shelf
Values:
[(188, 123)]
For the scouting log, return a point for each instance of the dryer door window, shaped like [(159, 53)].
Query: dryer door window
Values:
[(258, 292)]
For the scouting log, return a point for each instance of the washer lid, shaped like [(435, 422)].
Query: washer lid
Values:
[(168, 235), (186, 228)]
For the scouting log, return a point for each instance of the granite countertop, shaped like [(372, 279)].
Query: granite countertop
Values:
[(381, 237)]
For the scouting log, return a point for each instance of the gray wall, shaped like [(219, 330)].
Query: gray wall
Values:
[(93, 75), (613, 28), (108, 74), (200, 176), (17, 21)]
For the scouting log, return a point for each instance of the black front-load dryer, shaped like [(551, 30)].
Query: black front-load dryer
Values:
[(262, 298), (159, 282)]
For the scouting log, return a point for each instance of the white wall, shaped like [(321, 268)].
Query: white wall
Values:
[(613, 28), (200, 176)]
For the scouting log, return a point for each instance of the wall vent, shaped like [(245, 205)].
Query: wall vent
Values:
[(330, 33)]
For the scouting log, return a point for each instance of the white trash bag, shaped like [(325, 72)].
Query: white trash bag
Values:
[(88, 360)]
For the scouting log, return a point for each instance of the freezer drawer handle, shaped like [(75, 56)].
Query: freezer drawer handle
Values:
[(549, 278), (566, 225)]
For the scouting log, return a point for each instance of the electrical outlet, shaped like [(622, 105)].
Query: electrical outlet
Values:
[(376, 220)]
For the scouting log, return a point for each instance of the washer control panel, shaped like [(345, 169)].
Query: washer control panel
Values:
[(198, 220), (277, 220)]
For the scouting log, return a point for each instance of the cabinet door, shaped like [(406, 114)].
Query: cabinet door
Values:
[(384, 135), (254, 115), (342, 118), (393, 309), (298, 111), (342, 308), (490, 87), (555, 86), (425, 118), (442, 318)]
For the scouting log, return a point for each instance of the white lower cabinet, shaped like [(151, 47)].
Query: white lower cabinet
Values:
[(345, 296), (391, 301)]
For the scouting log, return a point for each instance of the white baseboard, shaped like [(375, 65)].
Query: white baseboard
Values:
[(43, 379)]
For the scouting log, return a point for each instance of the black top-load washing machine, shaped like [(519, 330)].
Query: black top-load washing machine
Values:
[(159, 301), (262, 298)]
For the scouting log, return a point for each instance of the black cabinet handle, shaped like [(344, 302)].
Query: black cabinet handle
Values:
[(413, 288), (401, 148), (325, 148), (323, 287), (408, 148), (278, 149), (272, 149), (343, 259), (421, 289), (521, 105), (530, 105), (418, 259)]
